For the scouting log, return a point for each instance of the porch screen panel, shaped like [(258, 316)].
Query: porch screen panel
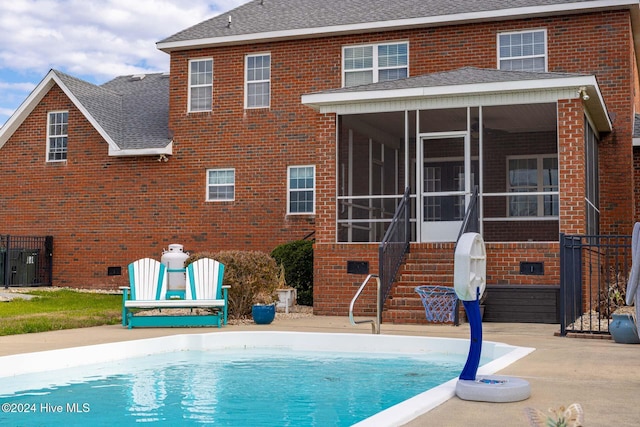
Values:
[(371, 151), (592, 178), (520, 199)]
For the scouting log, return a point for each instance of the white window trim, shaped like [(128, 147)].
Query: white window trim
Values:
[(540, 193), (289, 189), (247, 82), (532, 30), (49, 136), (190, 86), (375, 68), (208, 186)]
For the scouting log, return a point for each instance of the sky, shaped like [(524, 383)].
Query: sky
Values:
[(95, 40)]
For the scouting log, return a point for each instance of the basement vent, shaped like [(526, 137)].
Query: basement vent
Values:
[(358, 267), (114, 271), (532, 268)]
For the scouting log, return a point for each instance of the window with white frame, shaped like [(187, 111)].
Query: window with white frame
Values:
[(375, 63), (57, 128), (523, 51), (221, 185), (533, 174), (258, 81), (301, 192), (200, 84)]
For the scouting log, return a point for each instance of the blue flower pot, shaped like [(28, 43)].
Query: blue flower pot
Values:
[(623, 329), (263, 314)]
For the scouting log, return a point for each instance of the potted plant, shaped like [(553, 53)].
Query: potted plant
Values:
[(287, 295), (263, 310)]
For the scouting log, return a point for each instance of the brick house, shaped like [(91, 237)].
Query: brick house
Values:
[(283, 118)]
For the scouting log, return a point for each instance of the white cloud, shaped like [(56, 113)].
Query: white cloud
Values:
[(91, 39)]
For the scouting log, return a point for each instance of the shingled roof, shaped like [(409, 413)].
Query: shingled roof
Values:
[(130, 112), (461, 76), (465, 81), (276, 19)]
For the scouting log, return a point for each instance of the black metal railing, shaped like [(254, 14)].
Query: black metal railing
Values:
[(393, 247), (594, 270), (471, 221), (25, 260)]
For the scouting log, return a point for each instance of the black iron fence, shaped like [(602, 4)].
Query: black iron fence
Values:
[(393, 248), (594, 271), (25, 260)]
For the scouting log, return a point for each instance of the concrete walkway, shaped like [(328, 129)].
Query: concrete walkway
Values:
[(601, 375)]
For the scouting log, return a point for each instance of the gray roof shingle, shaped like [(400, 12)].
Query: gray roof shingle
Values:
[(264, 16), (134, 111), (144, 119), (461, 76)]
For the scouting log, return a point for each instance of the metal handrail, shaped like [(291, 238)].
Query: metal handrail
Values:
[(394, 247), (375, 323), (471, 222)]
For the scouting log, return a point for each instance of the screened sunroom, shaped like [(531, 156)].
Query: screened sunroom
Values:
[(498, 135), (496, 131)]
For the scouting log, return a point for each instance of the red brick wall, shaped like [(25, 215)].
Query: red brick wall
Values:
[(105, 211), (333, 286), (108, 211), (571, 161)]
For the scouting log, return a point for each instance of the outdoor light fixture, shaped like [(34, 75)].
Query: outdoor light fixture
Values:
[(583, 93)]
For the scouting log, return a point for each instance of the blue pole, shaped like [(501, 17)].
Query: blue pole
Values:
[(475, 323)]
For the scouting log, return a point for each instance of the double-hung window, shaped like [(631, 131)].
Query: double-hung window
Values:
[(258, 81), (375, 63), (57, 128), (523, 51), (221, 184), (200, 84), (533, 174), (301, 191)]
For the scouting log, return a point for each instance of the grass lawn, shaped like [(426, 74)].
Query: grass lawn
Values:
[(59, 309)]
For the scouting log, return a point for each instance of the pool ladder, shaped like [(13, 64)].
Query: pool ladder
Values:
[(375, 323)]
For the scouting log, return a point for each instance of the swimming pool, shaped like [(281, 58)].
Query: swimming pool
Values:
[(89, 363)]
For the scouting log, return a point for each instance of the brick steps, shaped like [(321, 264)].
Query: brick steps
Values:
[(423, 266)]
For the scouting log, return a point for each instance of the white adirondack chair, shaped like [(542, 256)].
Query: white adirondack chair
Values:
[(204, 283)]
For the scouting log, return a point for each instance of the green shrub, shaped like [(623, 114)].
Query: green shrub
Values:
[(252, 275), (297, 259)]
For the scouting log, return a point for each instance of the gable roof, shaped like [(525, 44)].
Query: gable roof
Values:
[(131, 113), (266, 20), (465, 86)]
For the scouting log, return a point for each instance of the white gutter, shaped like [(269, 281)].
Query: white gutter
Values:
[(162, 151)]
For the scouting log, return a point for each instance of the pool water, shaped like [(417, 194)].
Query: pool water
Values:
[(228, 387)]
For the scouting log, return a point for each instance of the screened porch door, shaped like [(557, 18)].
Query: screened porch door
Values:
[(445, 185)]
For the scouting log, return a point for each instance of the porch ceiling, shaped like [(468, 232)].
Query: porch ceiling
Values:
[(468, 87), (525, 118)]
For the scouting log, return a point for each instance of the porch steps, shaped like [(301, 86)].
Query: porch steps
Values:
[(424, 265)]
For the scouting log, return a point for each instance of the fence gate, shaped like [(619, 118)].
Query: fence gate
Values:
[(25, 260), (593, 280)]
